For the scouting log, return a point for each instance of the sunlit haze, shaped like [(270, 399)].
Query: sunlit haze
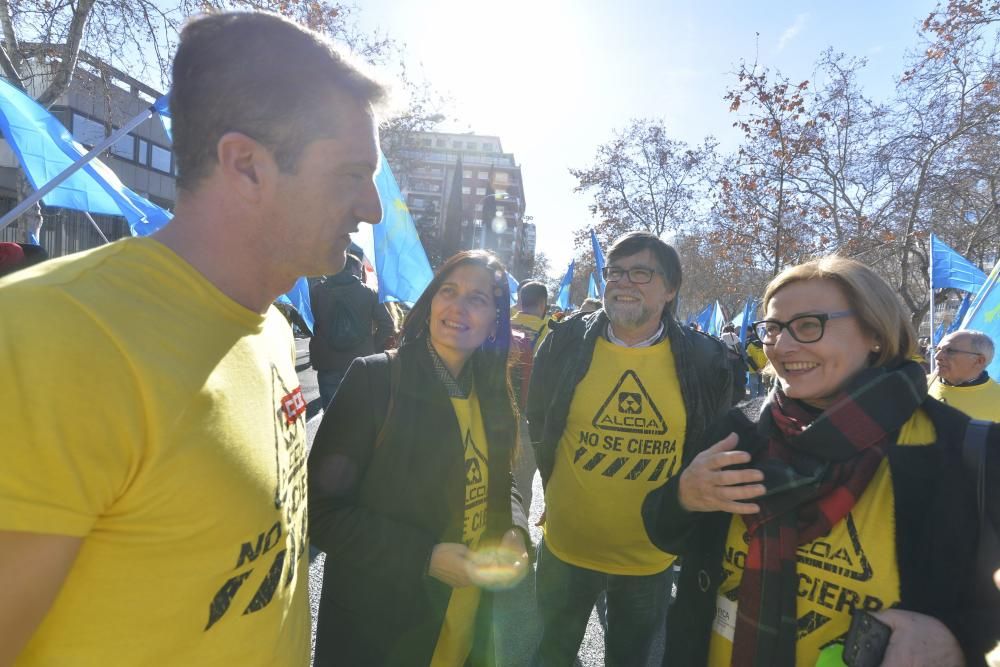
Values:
[(553, 79)]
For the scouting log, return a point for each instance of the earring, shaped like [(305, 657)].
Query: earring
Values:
[(492, 338), (877, 348)]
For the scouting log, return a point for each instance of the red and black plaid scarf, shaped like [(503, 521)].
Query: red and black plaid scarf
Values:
[(815, 469)]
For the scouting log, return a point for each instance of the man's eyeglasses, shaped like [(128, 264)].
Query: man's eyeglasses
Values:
[(637, 275), (951, 352), (804, 328)]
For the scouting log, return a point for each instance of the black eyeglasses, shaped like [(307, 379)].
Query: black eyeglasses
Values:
[(637, 275), (951, 352), (804, 328)]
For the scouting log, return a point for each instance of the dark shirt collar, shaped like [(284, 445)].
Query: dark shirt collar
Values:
[(983, 378), (460, 387)]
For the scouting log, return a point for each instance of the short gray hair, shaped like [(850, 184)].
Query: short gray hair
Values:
[(980, 342)]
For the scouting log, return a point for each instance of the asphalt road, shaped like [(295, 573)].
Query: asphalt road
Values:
[(517, 620)]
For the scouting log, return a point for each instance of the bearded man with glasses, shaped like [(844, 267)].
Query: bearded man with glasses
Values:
[(961, 378), (620, 400)]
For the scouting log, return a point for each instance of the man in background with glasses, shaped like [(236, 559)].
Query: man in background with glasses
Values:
[(962, 380), (620, 400)]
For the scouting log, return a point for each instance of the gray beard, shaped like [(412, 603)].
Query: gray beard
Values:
[(630, 318)]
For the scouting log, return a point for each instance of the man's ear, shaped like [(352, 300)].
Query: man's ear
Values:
[(245, 164)]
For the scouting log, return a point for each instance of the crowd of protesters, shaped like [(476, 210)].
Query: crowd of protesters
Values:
[(158, 497)]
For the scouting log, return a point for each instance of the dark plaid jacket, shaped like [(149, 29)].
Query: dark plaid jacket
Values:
[(564, 357), (936, 538)]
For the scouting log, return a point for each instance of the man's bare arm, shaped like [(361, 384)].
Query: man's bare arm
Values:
[(33, 567)]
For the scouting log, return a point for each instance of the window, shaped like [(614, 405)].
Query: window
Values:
[(427, 142), (466, 173), (466, 191), (456, 144), (479, 208), (439, 143), (470, 145), (87, 132), (143, 152), (124, 147), (160, 159), (480, 191), (488, 148), (483, 175), (501, 177), (417, 202)]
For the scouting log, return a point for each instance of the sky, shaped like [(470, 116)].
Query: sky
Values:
[(554, 79)]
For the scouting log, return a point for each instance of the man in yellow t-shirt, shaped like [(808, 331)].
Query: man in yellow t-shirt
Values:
[(153, 488), (962, 380), (620, 400), (529, 322)]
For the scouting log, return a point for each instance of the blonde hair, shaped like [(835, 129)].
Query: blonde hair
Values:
[(876, 306)]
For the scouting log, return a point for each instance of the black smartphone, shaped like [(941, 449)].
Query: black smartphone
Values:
[(866, 640)]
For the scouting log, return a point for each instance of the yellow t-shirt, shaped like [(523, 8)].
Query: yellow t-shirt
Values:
[(758, 355), (163, 423), (624, 437), (981, 401), (537, 324), (455, 640), (855, 566)]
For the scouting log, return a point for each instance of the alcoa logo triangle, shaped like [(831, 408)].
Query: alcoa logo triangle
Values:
[(629, 409)]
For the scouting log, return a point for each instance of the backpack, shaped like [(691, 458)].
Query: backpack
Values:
[(344, 331), (522, 346)]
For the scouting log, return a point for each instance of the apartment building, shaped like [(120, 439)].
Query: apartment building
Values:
[(465, 192)]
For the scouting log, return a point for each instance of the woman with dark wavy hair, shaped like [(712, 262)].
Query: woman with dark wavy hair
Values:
[(410, 487), (848, 497)]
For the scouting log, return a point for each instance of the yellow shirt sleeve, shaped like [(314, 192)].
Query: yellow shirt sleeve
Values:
[(73, 415)]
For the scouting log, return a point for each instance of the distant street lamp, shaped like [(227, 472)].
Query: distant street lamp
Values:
[(499, 223)]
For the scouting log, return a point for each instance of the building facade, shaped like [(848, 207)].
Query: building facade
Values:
[(99, 100), (465, 192)]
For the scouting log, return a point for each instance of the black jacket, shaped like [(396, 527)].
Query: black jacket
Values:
[(936, 537), (563, 360), (378, 513), (345, 290)]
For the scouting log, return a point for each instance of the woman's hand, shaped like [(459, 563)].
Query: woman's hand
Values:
[(502, 566), (706, 485), (919, 641), (451, 563)]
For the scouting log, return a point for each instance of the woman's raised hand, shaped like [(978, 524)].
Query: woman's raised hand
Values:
[(501, 566), (707, 486)]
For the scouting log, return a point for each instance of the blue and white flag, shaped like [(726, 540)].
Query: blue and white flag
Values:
[(298, 298), (950, 269), (400, 261), (162, 107), (984, 315), (599, 262), (704, 318), (592, 289), (512, 285), (45, 149), (746, 319), (563, 299), (718, 321)]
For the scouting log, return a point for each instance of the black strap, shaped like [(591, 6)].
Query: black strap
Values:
[(392, 356), (974, 460)]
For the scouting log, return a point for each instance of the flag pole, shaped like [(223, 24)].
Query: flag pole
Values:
[(94, 223), (930, 281), (34, 197)]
